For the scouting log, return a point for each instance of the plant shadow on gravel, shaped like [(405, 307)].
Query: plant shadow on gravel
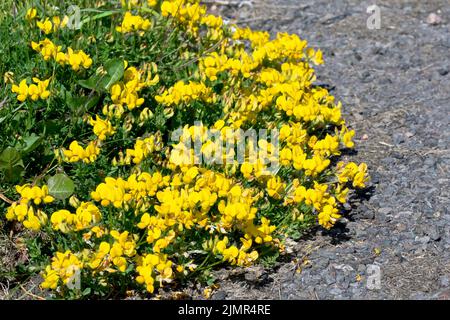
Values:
[(340, 233)]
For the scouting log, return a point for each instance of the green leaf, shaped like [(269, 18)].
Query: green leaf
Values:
[(60, 186), (31, 143), (9, 158), (91, 102), (14, 173), (50, 127), (114, 72), (82, 104), (11, 164), (90, 83), (86, 291), (115, 69)]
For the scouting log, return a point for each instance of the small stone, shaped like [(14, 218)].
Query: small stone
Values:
[(443, 71), (219, 295), (255, 274), (336, 291), (444, 281), (365, 77), (330, 279), (385, 210), (379, 50), (365, 137), (433, 233), (367, 214), (434, 19), (423, 240), (398, 138), (357, 55)]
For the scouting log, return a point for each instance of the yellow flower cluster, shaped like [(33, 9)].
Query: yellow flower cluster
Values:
[(48, 26), (34, 193), (116, 254), (35, 91), (23, 210), (235, 255), (185, 13), (76, 59), (186, 93), (132, 23), (86, 215), (142, 149), (32, 219), (319, 199), (119, 191), (275, 187), (354, 173), (102, 128), (126, 91), (64, 268), (77, 153), (47, 49), (123, 246), (154, 267)]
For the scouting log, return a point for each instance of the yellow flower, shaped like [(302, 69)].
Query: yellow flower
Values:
[(315, 56), (230, 254), (31, 14), (286, 156), (221, 245), (132, 23), (298, 157), (58, 23), (64, 267), (62, 220), (34, 193), (21, 90), (328, 146), (102, 128), (246, 170), (315, 165), (34, 221), (361, 177), (42, 91), (346, 137), (264, 231), (341, 193), (99, 257), (48, 50), (17, 212), (78, 153), (190, 175), (35, 91), (86, 215), (328, 216), (275, 187), (185, 93), (51, 278), (77, 59), (45, 25)]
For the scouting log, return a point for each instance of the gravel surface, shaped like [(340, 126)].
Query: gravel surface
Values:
[(394, 84)]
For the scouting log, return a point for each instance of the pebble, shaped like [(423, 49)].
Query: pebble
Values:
[(434, 19)]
